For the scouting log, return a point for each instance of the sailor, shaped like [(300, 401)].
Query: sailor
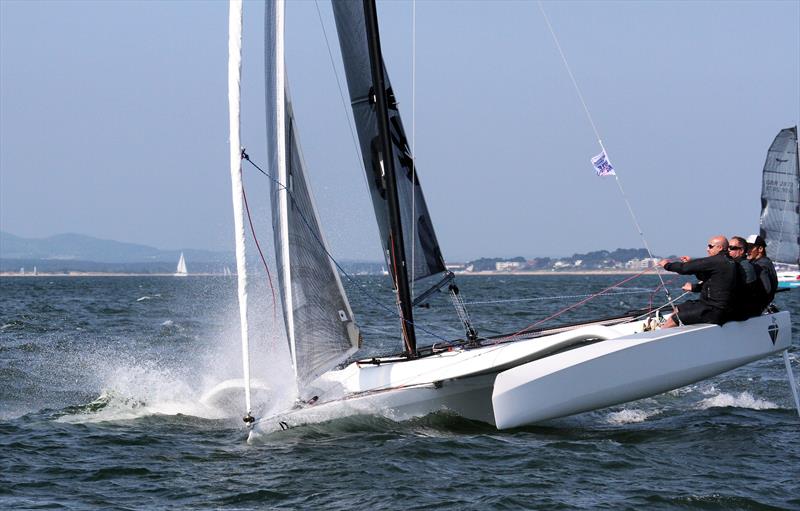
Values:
[(718, 276), (749, 295), (757, 255)]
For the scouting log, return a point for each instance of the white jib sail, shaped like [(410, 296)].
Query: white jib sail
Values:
[(319, 321), (234, 99), (279, 106)]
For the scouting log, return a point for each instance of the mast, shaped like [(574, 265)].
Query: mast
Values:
[(237, 189), (396, 246)]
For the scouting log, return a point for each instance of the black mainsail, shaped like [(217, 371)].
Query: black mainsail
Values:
[(780, 199), (418, 234), (401, 212)]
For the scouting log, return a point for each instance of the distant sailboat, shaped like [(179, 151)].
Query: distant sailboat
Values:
[(181, 270), (780, 207)]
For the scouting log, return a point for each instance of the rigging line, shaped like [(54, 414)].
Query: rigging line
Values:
[(413, 137), (528, 328), (260, 252), (333, 260), (346, 110), (600, 141), (561, 297), (641, 316), (497, 345), (341, 95), (397, 298), (653, 294)]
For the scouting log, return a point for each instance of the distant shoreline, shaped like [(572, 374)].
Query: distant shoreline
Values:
[(460, 274), (104, 274)]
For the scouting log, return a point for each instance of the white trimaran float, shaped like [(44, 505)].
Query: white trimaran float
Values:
[(509, 381), (780, 207)]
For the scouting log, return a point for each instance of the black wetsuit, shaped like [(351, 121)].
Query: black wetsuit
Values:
[(768, 278), (749, 297), (719, 275)]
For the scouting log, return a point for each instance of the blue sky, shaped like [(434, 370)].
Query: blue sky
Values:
[(113, 120)]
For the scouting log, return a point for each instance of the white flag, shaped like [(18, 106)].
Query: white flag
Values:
[(602, 166)]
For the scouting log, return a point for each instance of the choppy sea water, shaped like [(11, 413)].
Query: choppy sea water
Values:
[(101, 379)]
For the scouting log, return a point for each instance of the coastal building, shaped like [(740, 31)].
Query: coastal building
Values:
[(641, 264)]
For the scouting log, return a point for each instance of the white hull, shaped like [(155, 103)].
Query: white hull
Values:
[(526, 381), (632, 367)]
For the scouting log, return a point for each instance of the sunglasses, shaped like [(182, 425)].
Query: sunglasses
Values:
[(711, 246), (735, 248)]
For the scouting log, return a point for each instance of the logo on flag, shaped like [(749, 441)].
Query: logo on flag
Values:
[(602, 166)]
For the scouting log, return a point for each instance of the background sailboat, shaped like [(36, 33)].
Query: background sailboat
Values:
[(780, 207), (181, 271)]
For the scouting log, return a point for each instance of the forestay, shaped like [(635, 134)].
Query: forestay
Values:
[(319, 321), (780, 199), (418, 234)]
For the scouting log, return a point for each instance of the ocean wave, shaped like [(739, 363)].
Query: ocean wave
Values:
[(630, 416), (141, 391), (742, 400), (148, 297)]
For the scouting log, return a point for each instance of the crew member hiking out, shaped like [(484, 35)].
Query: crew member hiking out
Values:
[(757, 255), (717, 275)]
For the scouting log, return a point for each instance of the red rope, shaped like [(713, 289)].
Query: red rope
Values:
[(664, 285), (574, 305), (260, 253)]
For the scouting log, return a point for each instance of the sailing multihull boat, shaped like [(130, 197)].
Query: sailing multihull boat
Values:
[(780, 207), (181, 271), (509, 381)]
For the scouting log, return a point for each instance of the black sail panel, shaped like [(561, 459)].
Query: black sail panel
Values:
[(780, 199), (419, 237)]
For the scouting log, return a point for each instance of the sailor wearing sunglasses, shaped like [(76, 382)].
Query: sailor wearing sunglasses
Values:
[(717, 276)]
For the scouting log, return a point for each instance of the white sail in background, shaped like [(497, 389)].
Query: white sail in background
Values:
[(181, 269), (319, 321)]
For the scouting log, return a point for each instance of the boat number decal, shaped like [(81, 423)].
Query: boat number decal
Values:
[(773, 331)]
